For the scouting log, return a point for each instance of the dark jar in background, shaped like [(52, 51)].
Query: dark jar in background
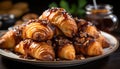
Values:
[(6, 21), (102, 17)]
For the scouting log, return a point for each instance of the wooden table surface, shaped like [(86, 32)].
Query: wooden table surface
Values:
[(110, 62)]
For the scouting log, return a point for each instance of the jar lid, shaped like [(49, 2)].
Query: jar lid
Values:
[(101, 8)]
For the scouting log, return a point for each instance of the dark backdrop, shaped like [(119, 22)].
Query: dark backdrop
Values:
[(39, 6)]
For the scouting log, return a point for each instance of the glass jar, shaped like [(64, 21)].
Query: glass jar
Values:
[(102, 17)]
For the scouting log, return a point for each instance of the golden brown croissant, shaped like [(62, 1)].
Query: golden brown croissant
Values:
[(87, 45), (87, 27), (60, 18), (66, 52), (9, 40), (91, 30), (37, 30), (39, 50), (65, 48), (93, 49)]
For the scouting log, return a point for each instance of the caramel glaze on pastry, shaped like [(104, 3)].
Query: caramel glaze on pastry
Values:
[(60, 18), (35, 29), (39, 50)]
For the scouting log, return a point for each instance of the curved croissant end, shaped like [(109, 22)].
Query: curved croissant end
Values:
[(20, 48), (95, 49), (8, 40), (66, 52), (103, 41), (60, 18)]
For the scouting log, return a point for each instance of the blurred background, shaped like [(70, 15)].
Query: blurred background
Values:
[(39, 6), (18, 9)]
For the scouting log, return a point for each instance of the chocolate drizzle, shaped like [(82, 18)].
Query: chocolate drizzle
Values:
[(59, 42), (62, 40), (43, 22), (82, 38), (18, 30), (82, 24), (60, 10), (26, 45), (65, 14), (53, 9)]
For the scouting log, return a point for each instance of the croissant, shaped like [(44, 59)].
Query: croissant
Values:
[(87, 27), (37, 30), (60, 18), (93, 49), (65, 49), (87, 45), (91, 30), (66, 52), (39, 50), (9, 40)]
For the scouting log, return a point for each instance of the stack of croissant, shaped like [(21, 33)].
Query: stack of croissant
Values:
[(55, 34)]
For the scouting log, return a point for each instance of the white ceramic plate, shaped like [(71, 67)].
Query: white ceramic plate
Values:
[(107, 51)]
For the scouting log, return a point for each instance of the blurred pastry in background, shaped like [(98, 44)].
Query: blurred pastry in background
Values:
[(25, 18), (16, 12), (19, 22), (5, 5), (29, 16), (18, 9), (23, 6), (3, 11)]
